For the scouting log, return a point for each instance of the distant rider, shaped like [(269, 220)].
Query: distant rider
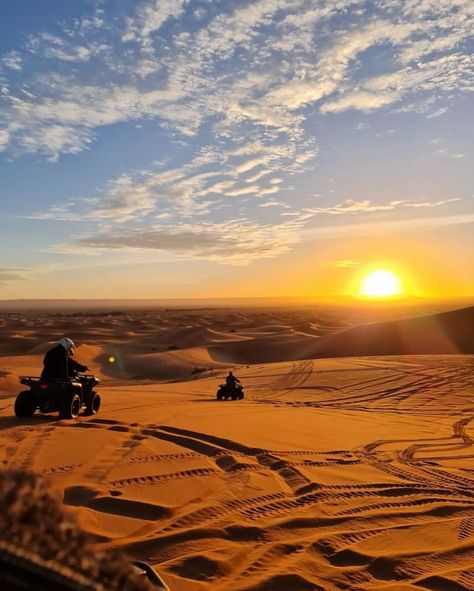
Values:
[(58, 362), (231, 381)]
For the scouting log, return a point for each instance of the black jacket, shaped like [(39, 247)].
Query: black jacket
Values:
[(232, 381), (58, 365)]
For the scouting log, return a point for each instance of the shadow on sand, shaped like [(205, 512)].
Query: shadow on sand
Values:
[(13, 421)]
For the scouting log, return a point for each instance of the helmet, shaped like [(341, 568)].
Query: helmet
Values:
[(68, 345)]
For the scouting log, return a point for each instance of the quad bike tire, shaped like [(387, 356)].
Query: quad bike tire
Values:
[(92, 404), (70, 406), (25, 404)]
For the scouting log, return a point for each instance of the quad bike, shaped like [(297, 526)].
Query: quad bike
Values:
[(225, 392), (67, 397), (28, 571)]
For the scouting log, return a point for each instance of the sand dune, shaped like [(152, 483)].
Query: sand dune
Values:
[(448, 332), (345, 474), (146, 344), (351, 473)]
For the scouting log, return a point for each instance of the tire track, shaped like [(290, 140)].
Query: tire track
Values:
[(298, 375), (160, 478), (208, 515), (161, 457), (30, 447), (264, 563), (101, 465)]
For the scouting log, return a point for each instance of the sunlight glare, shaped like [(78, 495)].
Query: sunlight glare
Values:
[(380, 283)]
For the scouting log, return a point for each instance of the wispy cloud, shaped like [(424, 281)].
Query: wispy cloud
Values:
[(12, 60), (149, 18), (382, 227), (4, 139), (366, 206), (190, 189), (238, 88), (449, 154), (236, 242), (265, 65), (11, 274), (343, 263)]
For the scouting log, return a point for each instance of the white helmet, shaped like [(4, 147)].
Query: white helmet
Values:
[(68, 345)]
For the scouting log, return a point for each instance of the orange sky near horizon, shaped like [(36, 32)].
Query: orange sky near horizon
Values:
[(438, 265)]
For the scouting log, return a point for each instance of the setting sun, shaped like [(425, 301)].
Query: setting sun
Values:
[(380, 283)]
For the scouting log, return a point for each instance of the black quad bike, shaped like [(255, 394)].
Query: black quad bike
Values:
[(67, 397), (225, 392)]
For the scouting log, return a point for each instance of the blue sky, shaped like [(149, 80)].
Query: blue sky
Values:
[(191, 148)]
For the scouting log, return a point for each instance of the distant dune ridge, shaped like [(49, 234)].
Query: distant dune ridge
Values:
[(448, 332), (348, 466), (175, 344)]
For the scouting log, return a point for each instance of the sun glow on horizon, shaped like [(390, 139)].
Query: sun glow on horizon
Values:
[(381, 283)]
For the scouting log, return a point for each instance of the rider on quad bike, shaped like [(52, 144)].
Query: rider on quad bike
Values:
[(60, 387), (58, 364), (231, 389), (231, 381)]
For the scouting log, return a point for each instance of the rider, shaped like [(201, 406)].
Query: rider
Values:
[(58, 364), (231, 381)]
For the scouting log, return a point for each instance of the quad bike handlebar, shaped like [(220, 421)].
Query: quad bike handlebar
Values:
[(34, 380)]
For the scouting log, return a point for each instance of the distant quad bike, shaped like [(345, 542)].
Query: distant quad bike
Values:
[(225, 392), (67, 397)]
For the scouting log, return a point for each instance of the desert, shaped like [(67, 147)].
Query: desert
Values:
[(236, 295), (336, 471)]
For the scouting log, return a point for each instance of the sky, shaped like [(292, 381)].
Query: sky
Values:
[(198, 148)]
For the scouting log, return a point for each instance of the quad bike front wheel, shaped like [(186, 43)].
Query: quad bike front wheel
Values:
[(92, 404), (70, 406), (25, 404)]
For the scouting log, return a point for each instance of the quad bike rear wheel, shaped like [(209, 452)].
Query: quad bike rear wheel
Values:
[(92, 404), (25, 404), (70, 406)]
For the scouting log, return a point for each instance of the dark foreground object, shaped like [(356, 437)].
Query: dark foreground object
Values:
[(144, 570), (43, 549), (226, 392), (67, 397)]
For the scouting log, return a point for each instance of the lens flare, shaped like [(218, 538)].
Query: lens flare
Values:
[(111, 359)]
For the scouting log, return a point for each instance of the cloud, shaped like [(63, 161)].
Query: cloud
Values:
[(70, 54), (9, 275), (54, 140), (361, 101), (443, 152), (384, 227), (236, 242), (150, 17), (238, 95), (4, 139), (343, 263), (12, 60), (269, 65), (356, 207), (195, 188)]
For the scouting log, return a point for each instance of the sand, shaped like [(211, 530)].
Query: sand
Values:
[(350, 473)]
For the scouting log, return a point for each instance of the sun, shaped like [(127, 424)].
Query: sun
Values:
[(381, 283)]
